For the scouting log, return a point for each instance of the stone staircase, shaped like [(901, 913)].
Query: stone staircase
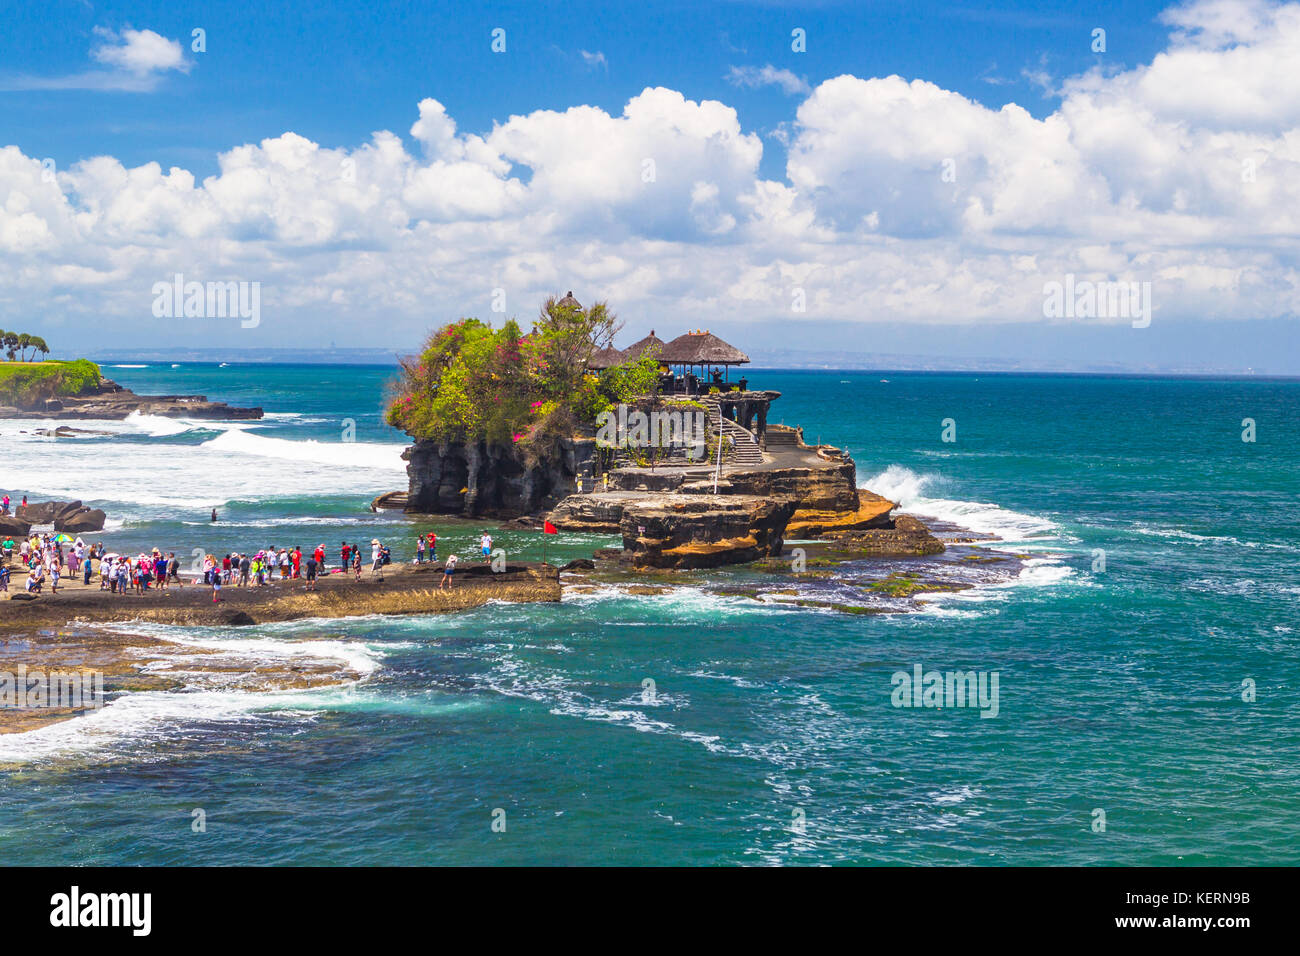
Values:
[(783, 436), (744, 446)]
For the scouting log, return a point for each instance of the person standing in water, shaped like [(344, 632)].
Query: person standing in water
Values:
[(214, 514)]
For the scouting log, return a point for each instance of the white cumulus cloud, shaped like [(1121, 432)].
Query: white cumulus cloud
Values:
[(900, 200), (139, 51)]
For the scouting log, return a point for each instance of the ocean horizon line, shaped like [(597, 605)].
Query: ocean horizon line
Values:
[(296, 358)]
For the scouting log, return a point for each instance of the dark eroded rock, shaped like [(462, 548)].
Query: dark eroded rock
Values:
[(14, 527), (86, 519), (478, 478)]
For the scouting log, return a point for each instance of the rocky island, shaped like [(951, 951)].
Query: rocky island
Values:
[(77, 390), (651, 443)]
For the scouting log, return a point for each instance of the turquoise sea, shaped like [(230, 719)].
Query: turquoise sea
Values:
[(768, 735)]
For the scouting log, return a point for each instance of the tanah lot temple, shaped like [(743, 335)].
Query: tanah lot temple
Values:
[(716, 483), (698, 365)]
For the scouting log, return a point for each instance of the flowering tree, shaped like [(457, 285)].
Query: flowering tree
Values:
[(474, 383)]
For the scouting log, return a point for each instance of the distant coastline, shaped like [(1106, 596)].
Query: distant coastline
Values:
[(765, 361)]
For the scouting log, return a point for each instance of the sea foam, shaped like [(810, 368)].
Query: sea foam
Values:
[(909, 490)]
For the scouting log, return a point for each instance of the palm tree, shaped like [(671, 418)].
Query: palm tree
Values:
[(24, 343), (11, 345), (38, 345)]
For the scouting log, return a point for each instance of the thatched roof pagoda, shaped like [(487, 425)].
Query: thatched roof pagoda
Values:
[(606, 358), (702, 348), (636, 349), (569, 302)]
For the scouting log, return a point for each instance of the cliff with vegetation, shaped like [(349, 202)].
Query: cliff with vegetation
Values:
[(503, 422), (30, 384)]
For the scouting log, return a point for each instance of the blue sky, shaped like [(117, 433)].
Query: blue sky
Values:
[(336, 75), (914, 180)]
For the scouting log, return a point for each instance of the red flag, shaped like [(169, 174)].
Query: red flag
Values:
[(548, 528)]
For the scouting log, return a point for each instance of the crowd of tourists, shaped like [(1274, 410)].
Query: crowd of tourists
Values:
[(49, 559)]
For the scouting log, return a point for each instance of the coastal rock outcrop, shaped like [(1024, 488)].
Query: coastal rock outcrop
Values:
[(12, 526), (813, 484), (831, 486), (70, 516), (904, 536), (872, 511), (42, 512), (111, 401), (596, 513), (66, 431), (480, 478), (694, 531), (680, 530), (81, 520)]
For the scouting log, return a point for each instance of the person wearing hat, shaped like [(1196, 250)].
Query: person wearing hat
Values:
[(377, 559)]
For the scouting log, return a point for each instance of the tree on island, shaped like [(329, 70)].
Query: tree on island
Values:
[(474, 383)]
